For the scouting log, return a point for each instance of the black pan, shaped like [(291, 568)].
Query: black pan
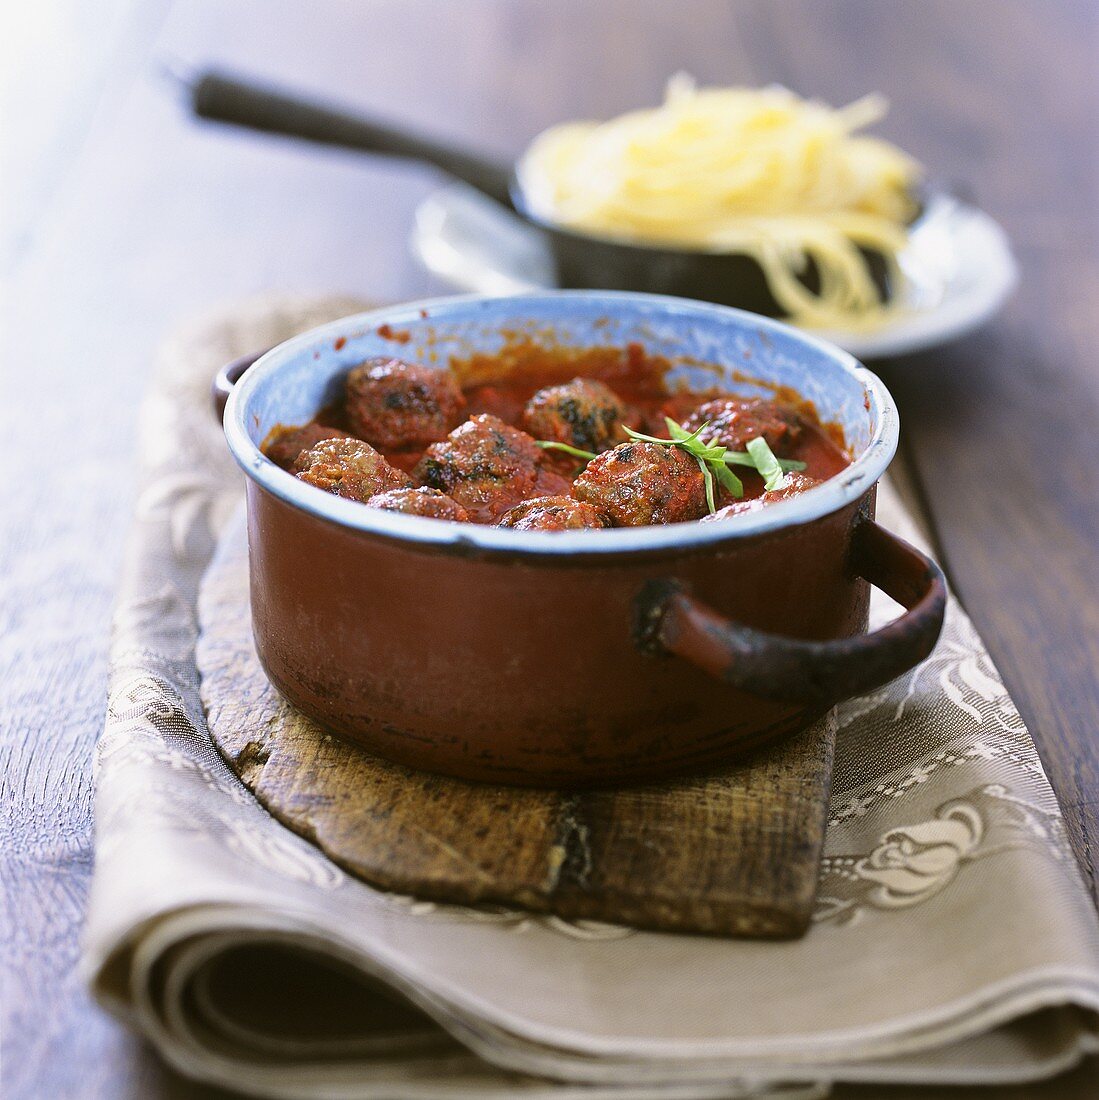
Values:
[(581, 260)]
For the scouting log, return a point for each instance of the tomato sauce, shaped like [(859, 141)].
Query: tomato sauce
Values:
[(503, 384), (641, 381)]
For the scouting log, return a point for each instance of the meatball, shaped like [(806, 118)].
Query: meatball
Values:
[(419, 502), (737, 508), (487, 466), (288, 443), (399, 406), (795, 483), (735, 423), (641, 483), (552, 514), (348, 468), (583, 413)]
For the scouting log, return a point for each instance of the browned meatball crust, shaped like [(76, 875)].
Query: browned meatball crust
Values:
[(288, 443), (348, 468), (582, 413), (552, 514), (735, 423), (487, 466), (641, 483), (420, 502), (795, 483), (398, 406)]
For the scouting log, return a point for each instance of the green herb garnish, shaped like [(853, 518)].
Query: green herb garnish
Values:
[(767, 464), (742, 458), (710, 458), (713, 459), (550, 445)]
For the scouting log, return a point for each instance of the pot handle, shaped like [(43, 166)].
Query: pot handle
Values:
[(223, 98), (227, 378), (791, 669)]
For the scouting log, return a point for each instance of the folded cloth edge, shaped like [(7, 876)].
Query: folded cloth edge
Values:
[(1086, 992)]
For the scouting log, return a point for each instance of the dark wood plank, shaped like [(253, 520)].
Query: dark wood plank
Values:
[(736, 852), (146, 219)]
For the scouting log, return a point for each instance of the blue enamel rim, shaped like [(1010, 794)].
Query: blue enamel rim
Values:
[(832, 495)]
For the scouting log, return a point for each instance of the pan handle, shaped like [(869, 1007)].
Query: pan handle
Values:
[(223, 98), (792, 670), (227, 378)]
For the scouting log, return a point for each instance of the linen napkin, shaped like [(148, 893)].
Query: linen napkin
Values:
[(953, 939)]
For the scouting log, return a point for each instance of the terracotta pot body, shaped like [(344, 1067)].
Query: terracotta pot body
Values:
[(517, 671), (532, 658)]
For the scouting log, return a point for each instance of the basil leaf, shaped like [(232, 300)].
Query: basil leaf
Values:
[(646, 438), (766, 464), (728, 479), (714, 459), (708, 480), (550, 445), (681, 435), (742, 458)]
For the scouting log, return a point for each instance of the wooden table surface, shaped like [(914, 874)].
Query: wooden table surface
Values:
[(124, 218)]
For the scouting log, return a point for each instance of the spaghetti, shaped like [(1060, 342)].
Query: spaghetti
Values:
[(755, 171)]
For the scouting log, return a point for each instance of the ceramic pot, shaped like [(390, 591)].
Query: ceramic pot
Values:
[(587, 657)]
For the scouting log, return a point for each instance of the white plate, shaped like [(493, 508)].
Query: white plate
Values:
[(959, 266)]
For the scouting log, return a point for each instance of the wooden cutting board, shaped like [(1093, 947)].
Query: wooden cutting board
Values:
[(733, 853)]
